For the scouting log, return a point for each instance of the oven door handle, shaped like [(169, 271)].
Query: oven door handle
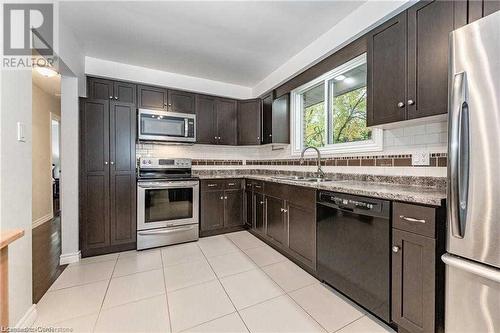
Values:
[(168, 185), (165, 231)]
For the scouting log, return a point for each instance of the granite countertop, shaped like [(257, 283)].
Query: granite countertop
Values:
[(407, 193)]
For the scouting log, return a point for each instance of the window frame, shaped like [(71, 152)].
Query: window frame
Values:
[(297, 124)]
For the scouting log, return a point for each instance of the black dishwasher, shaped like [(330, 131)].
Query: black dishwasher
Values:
[(353, 248)]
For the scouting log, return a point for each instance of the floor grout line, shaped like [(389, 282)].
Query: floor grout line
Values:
[(225, 291), (166, 292), (104, 298)]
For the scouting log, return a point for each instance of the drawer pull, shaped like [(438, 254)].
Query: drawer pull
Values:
[(261, 202), (411, 219), (231, 184), (258, 186), (212, 185)]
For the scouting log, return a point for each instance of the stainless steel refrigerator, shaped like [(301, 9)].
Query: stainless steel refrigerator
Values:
[(473, 244)]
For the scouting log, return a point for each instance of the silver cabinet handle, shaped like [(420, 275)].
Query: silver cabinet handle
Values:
[(112, 163), (258, 186), (211, 185), (110, 97), (222, 198), (395, 249), (105, 162), (285, 210), (225, 198), (411, 219), (261, 202), (116, 97), (281, 210), (401, 105), (215, 137), (231, 184), (411, 102), (270, 135)]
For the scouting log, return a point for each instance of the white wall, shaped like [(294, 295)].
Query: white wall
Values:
[(69, 169), (354, 25), (116, 70), (15, 186)]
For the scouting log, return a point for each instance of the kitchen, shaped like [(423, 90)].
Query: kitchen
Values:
[(352, 196)]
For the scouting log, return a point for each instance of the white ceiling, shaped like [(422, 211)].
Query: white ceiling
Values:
[(233, 42)]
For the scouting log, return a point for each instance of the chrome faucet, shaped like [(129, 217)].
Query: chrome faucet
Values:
[(320, 173)]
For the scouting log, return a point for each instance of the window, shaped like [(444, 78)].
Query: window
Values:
[(330, 112)]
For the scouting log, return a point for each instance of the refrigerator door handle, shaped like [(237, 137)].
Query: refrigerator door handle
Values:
[(459, 155), (472, 267)]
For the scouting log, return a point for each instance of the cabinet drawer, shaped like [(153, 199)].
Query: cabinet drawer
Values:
[(212, 184), (417, 219), (230, 184)]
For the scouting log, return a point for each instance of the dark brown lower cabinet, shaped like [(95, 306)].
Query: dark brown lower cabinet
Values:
[(259, 225), (107, 205), (221, 206), (302, 231), (417, 270), (249, 208), (276, 220)]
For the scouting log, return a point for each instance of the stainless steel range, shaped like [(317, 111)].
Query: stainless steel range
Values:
[(167, 202)]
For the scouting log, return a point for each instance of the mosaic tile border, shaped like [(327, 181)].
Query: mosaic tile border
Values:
[(436, 160)]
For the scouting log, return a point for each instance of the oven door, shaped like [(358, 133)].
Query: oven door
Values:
[(166, 126), (167, 204)]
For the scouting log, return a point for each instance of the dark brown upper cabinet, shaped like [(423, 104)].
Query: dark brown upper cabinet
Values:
[(107, 176), (99, 89), (408, 62), (155, 98), (125, 92), (249, 122), (481, 8), (181, 101), (276, 119), (226, 118), (206, 131), (386, 62)]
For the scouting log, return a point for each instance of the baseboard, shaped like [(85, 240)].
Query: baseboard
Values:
[(69, 258), (28, 319), (41, 220)]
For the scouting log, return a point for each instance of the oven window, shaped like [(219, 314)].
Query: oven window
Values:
[(162, 125), (168, 204)]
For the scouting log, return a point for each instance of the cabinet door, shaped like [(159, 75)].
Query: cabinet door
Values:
[(226, 110), (233, 208), (122, 173), (267, 119), (490, 6), (205, 120), (152, 98), (386, 65), (181, 101), (429, 26), (249, 208), (99, 89), (275, 220), (212, 208), (302, 233), (125, 92), (413, 281), (259, 224), (94, 173), (249, 123), (281, 120)]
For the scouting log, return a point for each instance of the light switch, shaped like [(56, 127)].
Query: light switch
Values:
[(420, 158), (21, 132)]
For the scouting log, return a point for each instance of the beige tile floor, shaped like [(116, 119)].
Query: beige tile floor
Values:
[(226, 283)]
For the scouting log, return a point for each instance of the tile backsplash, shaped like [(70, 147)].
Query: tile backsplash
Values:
[(394, 159)]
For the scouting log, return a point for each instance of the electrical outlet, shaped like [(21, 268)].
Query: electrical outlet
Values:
[(420, 158)]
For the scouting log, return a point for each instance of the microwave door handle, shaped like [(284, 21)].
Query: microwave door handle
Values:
[(186, 127), (459, 156)]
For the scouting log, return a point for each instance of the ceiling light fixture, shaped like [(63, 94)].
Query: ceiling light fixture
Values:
[(46, 71), (340, 78)]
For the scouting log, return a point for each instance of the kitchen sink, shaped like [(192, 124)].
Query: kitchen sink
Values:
[(303, 179)]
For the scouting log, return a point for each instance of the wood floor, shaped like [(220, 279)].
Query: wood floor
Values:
[(46, 252)]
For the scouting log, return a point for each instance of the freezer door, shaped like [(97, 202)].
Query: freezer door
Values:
[(474, 142), (472, 296)]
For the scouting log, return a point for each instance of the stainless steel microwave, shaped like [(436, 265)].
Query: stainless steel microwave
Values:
[(166, 126)]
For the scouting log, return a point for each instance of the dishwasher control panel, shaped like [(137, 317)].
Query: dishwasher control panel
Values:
[(350, 202)]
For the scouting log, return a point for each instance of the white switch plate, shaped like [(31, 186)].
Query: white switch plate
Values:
[(21, 132), (420, 158)]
